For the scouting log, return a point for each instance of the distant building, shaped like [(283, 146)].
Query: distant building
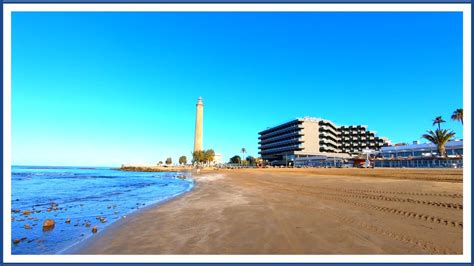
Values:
[(454, 148), (311, 140), (420, 155), (217, 158)]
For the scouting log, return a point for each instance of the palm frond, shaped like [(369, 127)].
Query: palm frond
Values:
[(458, 115), (439, 137), (438, 120)]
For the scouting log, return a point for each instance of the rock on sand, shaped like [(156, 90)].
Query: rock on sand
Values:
[(48, 225)]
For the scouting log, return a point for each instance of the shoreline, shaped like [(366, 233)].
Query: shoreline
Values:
[(137, 168), (79, 245), (247, 211)]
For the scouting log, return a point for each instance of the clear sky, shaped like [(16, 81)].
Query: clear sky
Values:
[(112, 88)]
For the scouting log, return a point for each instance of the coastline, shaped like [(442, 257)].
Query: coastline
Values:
[(272, 211), (117, 223), (144, 168)]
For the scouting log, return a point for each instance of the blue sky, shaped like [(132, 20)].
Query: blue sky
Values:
[(112, 88)]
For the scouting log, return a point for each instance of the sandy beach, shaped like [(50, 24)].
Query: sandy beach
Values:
[(298, 211)]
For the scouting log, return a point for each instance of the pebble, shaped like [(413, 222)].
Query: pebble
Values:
[(16, 241), (68, 221), (94, 229), (48, 225), (27, 226)]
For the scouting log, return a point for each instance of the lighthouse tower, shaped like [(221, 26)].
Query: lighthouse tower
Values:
[(198, 129)]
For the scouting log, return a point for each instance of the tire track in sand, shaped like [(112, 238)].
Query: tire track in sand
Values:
[(361, 195), (394, 211), (425, 245)]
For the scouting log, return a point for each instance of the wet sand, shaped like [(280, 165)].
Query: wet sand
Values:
[(298, 211)]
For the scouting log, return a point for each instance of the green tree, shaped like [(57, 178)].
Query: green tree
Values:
[(204, 156), (438, 120), (183, 160), (251, 160), (235, 159), (458, 115), (168, 160), (198, 157), (209, 155), (160, 163), (439, 138)]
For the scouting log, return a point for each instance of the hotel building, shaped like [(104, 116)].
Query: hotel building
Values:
[(315, 139), (354, 139), (424, 155)]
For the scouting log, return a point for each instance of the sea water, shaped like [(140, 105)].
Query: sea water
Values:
[(79, 199)]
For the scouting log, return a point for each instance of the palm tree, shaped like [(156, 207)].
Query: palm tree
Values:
[(243, 150), (458, 115), (438, 120), (439, 138)]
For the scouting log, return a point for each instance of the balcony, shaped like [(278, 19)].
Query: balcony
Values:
[(281, 149), (328, 128), (294, 128), (281, 137), (325, 135), (281, 143), (325, 141)]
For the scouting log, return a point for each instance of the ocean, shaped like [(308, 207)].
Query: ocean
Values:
[(79, 199)]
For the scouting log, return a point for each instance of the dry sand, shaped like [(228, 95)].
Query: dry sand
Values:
[(298, 211)]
